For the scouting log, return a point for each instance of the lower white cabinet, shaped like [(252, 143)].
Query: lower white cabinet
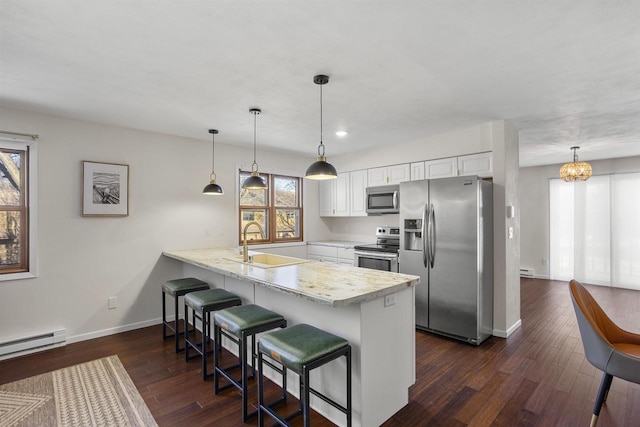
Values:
[(333, 254)]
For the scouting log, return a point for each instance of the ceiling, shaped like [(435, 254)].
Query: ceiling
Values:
[(563, 73)]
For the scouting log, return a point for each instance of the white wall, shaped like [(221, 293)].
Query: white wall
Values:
[(85, 260), (534, 206)]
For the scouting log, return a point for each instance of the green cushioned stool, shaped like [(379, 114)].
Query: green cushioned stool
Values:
[(177, 288), (202, 304), (238, 324), (302, 348)]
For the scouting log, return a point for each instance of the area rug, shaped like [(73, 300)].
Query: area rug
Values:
[(97, 393)]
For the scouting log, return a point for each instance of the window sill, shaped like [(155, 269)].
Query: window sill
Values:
[(16, 276), (274, 245)]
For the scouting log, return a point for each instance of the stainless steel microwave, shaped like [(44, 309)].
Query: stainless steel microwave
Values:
[(384, 199)]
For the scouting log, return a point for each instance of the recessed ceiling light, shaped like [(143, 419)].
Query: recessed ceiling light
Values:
[(341, 133)]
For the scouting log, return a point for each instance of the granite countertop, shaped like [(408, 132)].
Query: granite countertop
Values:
[(324, 283), (338, 243)]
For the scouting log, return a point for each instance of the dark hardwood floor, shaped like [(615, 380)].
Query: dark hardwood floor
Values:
[(538, 377)]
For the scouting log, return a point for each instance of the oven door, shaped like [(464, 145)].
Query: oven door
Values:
[(376, 260)]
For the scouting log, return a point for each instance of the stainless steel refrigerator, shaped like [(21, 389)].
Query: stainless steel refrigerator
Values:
[(446, 238)]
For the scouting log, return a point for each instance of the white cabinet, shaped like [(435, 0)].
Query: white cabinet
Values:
[(358, 187), (344, 196), (345, 256), (417, 171), (476, 164), (389, 175), (327, 197), (441, 168), (328, 253)]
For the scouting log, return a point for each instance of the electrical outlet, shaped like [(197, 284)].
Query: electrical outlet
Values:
[(113, 303), (511, 232), (389, 300)]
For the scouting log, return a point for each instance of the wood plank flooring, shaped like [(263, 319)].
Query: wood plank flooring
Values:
[(538, 377)]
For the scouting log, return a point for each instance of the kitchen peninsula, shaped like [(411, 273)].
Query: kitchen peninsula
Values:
[(372, 309)]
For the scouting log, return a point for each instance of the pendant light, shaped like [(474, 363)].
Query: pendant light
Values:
[(212, 188), (321, 169), (255, 181), (575, 171)]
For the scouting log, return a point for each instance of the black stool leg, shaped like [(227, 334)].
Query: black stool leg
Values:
[(348, 355), (304, 397), (260, 392), (164, 318), (177, 323), (205, 339)]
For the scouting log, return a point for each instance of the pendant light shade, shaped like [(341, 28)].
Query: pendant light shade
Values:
[(575, 171), (255, 181), (321, 169), (213, 189)]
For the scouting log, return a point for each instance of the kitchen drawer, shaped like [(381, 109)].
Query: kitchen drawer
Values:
[(324, 251), (345, 253)]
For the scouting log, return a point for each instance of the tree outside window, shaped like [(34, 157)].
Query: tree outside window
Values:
[(278, 210), (13, 211)]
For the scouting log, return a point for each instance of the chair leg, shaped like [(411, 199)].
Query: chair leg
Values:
[(605, 384), (177, 334)]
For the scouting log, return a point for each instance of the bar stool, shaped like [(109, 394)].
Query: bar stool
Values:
[(177, 288), (202, 304), (302, 348), (238, 324)]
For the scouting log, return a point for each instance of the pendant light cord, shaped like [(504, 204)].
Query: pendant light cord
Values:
[(213, 152), (254, 136), (321, 144)]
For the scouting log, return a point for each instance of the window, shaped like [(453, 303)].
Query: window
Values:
[(14, 210), (594, 230), (278, 210)]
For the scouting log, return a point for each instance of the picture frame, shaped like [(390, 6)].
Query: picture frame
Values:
[(105, 189)]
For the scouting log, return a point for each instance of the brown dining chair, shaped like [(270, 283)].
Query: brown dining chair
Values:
[(614, 351)]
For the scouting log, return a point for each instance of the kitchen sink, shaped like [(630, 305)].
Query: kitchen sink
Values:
[(268, 260)]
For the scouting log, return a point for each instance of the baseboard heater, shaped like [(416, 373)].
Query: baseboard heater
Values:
[(39, 341), (527, 272)]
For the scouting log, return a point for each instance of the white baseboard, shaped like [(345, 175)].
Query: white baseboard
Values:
[(116, 330), (505, 334)]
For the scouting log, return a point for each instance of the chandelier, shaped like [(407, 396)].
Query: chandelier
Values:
[(575, 171)]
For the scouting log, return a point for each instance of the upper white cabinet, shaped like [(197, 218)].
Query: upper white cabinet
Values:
[(417, 171), (476, 164), (345, 195), (473, 164), (441, 168), (342, 194), (327, 197), (389, 175), (358, 187)]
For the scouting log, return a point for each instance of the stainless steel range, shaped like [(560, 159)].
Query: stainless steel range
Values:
[(382, 255)]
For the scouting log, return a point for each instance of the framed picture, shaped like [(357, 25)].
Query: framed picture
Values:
[(105, 189)]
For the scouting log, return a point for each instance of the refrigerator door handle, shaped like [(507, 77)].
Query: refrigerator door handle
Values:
[(425, 246), (432, 236)]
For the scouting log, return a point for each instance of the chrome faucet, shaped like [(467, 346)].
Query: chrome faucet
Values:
[(245, 249)]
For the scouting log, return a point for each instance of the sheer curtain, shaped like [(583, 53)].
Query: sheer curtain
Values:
[(594, 230)]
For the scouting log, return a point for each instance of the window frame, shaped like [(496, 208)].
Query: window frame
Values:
[(271, 208), (28, 249)]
